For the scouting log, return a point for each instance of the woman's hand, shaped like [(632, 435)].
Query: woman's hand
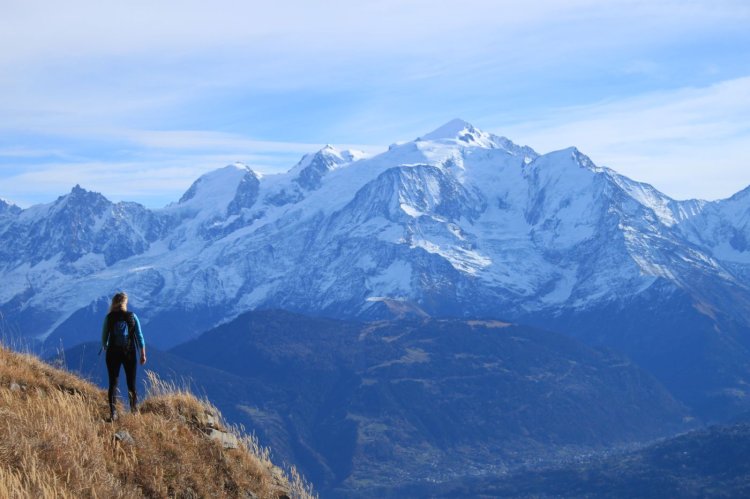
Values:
[(143, 357)]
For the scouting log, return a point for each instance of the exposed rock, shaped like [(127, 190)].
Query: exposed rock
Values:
[(15, 387), (208, 420), (124, 436), (228, 440), (278, 475)]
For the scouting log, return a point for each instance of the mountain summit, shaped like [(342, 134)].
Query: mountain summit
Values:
[(464, 133), (453, 129)]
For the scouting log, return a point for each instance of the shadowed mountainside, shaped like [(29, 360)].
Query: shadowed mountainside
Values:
[(357, 405)]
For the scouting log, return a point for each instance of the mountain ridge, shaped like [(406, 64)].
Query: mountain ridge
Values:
[(218, 216), (457, 223)]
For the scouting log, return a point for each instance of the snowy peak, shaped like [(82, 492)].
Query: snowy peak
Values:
[(464, 134), (211, 201), (328, 157), (79, 193), (80, 201), (8, 208), (311, 169), (246, 194), (81, 229), (454, 129), (351, 155), (216, 188), (567, 158), (561, 173)]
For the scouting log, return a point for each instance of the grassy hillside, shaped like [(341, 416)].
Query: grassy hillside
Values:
[(55, 442)]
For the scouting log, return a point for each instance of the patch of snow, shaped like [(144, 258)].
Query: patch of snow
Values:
[(563, 289), (411, 211), (465, 260), (393, 281)]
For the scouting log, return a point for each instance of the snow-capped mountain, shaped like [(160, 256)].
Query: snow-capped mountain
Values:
[(8, 207), (458, 222)]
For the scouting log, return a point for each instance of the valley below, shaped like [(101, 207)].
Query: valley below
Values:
[(360, 406)]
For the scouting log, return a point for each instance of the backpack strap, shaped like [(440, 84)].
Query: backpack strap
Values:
[(131, 328), (110, 324)]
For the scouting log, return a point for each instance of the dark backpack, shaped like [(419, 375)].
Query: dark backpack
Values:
[(121, 327)]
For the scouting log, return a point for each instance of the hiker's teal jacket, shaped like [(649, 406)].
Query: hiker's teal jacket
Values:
[(138, 333)]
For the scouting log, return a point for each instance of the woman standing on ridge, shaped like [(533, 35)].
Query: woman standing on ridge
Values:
[(121, 334)]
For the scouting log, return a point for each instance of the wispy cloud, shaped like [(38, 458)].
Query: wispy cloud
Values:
[(206, 139), (690, 142), (27, 152), (138, 180), (146, 86), (151, 167)]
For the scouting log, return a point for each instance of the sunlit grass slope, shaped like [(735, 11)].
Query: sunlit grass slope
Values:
[(55, 442)]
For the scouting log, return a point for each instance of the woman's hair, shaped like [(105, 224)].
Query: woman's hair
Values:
[(119, 302)]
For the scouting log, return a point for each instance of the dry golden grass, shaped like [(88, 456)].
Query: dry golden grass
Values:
[(56, 443)]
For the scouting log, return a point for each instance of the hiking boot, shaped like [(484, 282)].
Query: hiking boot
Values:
[(113, 416), (133, 403)]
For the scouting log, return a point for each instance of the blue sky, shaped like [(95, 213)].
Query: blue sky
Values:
[(138, 99)]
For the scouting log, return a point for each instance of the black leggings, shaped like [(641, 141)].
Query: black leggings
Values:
[(127, 358)]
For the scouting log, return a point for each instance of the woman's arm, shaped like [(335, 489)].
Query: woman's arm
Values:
[(139, 339), (105, 334)]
